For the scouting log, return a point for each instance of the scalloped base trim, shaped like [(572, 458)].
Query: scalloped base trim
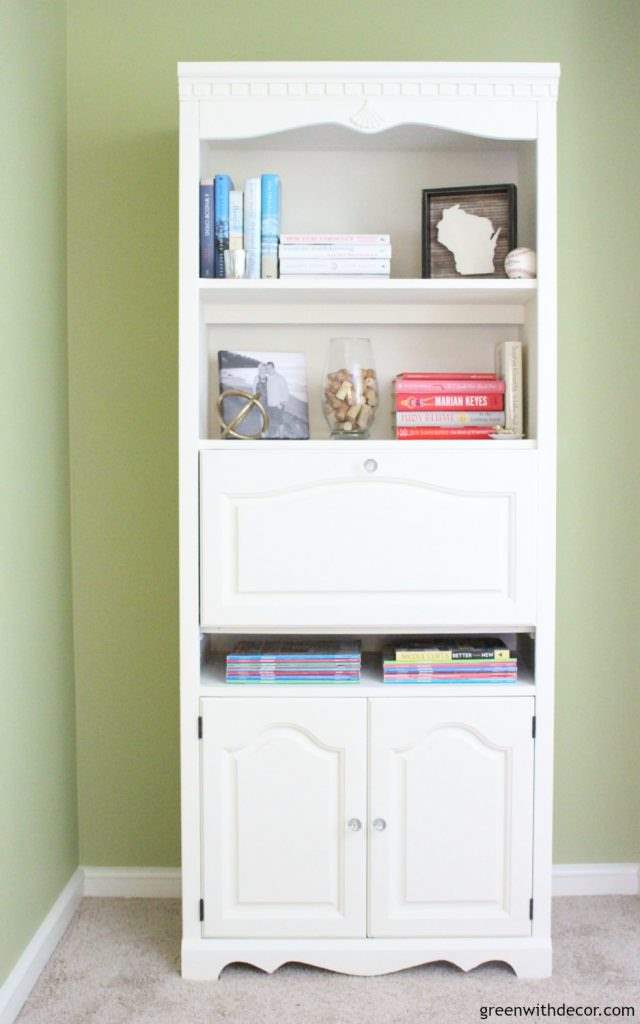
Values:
[(204, 960)]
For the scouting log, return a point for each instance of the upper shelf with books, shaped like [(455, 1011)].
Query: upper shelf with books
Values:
[(394, 300)]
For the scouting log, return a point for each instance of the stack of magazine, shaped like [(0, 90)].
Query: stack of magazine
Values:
[(294, 662), (451, 660)]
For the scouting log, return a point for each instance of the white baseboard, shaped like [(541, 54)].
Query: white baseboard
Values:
[(568, 880), (17, 987), (130, 882), (596, 879)]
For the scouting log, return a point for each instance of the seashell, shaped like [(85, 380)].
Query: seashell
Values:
[(520, 263), (366, 118)]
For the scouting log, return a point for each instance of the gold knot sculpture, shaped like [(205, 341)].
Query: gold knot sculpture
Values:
[(252, 402)]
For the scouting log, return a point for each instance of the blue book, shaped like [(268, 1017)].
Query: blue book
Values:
[(223, 186), (270, 222), (206, 228)]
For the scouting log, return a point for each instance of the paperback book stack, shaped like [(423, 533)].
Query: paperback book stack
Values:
[(292, 662), (461, 406), (231, 220), (451, 660), (335, 255)]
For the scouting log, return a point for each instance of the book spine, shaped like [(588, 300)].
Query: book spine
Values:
[(477, 403), (446, 376), (443, 387), (206, 228), (499, 657), (449, 419), (443, 433), (270, 222), (252, 219), (335, 252), (509, 368), (334, 239), (294, 266), (221, 208), (235, 219)]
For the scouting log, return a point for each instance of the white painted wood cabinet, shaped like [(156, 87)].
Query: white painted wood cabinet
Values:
[(386, 539), (287, 832), (451, 779), (369, 539), (280, 781)]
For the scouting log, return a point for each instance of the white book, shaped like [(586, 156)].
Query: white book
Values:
[(335, 239), (335, 252), (251, 227), (293, 266), (236, 219), (509, 369)]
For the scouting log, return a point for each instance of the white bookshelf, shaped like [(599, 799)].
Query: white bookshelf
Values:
[(367, 539)]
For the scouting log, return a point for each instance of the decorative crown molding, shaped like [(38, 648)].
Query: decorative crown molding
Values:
[(448, 87)]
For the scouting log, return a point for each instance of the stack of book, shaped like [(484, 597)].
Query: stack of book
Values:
[(462, 406), (330, 255), (451, 660), (231, 219), (294, 662)]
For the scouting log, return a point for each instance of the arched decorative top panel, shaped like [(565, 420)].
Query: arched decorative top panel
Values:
[(497, 101)]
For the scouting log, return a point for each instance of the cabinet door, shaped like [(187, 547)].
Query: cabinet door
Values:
[(281, 779), (452, 779), (367, 538)]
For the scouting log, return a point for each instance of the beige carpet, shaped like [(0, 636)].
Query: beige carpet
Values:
[(118, 964)]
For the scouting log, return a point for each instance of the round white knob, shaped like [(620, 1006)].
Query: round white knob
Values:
[(370, 465), (379, 824), (354, 824)]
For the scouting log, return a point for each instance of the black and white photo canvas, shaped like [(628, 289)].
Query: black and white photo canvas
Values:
[(278, 380)]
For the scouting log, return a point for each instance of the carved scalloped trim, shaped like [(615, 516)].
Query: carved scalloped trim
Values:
[(445, 88)]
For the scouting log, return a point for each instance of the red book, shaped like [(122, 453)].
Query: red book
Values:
[(444, 433), (439, 387), (446, 376), (477, 402)]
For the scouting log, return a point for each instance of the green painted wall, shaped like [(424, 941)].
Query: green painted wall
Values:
[(123, 358), (38, 848)]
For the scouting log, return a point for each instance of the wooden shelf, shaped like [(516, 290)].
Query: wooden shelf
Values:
[(389, 446), (322, 300), (212, 679)]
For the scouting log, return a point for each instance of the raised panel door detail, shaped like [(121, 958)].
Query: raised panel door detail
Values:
[(316, 539), (452, 779), (280, 780)]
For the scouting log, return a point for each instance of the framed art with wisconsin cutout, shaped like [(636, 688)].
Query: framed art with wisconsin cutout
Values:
[(467, 232)]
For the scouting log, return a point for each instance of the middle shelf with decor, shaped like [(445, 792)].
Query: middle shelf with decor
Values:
[(253, 356)]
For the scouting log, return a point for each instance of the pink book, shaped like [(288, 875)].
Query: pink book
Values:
[(446, 376), (441, 387), (443, 433), (333, 239)]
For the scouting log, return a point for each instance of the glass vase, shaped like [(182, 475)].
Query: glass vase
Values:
[(350, 388)]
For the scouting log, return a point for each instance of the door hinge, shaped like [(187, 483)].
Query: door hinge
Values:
[(533, 727), (202, 910), (199, 727), (531, 909)]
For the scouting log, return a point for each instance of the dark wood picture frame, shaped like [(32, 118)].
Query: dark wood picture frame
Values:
[(437, 260)]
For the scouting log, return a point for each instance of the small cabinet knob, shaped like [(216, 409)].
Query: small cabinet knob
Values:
[(354, 824), (379, 824), (370, 465)]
